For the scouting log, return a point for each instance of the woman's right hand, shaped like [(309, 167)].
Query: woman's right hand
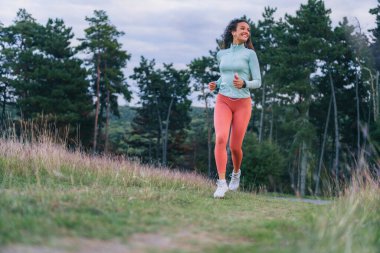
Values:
[(212, 86)]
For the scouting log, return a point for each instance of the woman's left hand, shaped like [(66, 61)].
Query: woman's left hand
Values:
[(238, 83)]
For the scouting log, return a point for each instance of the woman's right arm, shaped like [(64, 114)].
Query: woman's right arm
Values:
[(214, 85), (219, 81)]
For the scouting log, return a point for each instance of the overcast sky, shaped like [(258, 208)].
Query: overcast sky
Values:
[(174, 31)]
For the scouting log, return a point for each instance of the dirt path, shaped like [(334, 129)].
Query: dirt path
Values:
[(139, 243), (311, 201)]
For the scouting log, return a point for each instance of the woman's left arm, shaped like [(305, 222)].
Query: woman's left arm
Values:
[(254, 68)]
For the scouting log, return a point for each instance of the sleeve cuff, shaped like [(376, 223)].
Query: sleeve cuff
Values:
[(254, 84)]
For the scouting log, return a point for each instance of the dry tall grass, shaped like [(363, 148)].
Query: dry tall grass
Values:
[(352, 223), (43, 156)]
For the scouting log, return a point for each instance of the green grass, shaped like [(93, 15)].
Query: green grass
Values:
[(50, 197)]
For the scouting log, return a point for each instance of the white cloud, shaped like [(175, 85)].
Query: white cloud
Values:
[(173, 31)]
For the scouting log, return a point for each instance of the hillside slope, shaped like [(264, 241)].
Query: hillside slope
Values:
[(53, 200)]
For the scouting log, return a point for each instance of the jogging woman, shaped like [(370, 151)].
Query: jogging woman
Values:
[(239, 72)]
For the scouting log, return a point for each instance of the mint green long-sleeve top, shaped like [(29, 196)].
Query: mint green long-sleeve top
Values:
[(243, 61)]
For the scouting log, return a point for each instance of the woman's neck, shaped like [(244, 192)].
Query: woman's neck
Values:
[(237, 42)]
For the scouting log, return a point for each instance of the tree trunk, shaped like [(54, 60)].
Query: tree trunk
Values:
[(304, 163), (323, 149), (165, 137), (107, 121), (271, 124), (291, 175), (208, 123), (150, 151), (377, 92), (107, 109), (357, 116), (374, 94), (194, 156), (2, 121), (337, 145), (161, 130), (298, 171), (158, 159), (164, 132), (97, 102), (303, 169), (261, 127)]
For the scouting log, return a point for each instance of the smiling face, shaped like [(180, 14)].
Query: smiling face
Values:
[(242, 33)]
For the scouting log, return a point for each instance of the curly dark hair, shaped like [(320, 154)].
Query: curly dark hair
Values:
[(227, 35)]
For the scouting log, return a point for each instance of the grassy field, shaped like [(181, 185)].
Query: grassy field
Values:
[(53, 200)]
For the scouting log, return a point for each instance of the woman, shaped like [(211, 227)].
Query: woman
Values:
[(240, 71)]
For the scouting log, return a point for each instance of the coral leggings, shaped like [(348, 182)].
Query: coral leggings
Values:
[(235, 114)]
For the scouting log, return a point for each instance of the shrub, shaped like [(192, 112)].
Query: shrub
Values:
[(263, 165)]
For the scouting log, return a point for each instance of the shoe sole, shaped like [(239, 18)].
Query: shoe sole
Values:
[(219, 197)]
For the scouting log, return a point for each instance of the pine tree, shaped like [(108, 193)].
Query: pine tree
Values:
[(64, 80), (375, 46), (177, 119), (375, 50), (301, 46), (107, 62), (49, 81), (23, 38), (264, 36), (145, 138), (163, 115), (202, 71), (6, 90)]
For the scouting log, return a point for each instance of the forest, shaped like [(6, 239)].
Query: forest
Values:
[(314, 120)]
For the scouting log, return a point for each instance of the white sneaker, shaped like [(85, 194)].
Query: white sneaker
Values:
[(221, 190), (235, 181)]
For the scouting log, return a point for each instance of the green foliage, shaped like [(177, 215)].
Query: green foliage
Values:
[(203, 71), (6, 90), (47, 79), (346, 56), (118, 128), (263, 165), (161, 120), (197, 143), (375, 46), (101, 40), (107, 61), (303, 41)]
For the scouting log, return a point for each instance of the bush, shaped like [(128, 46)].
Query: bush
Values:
[(263, 165)]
